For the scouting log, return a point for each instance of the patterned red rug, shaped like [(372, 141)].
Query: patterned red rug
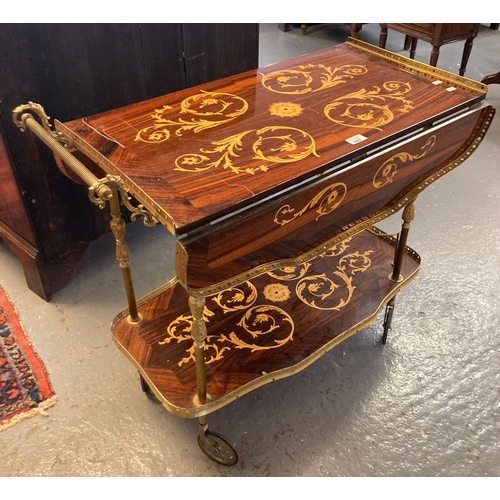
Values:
[(25, 388)]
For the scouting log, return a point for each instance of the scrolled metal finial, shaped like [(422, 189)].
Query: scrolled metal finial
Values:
[(100, 192), (22, 112), (20, 115)]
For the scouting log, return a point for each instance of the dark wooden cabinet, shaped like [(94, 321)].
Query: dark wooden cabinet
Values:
[(77, 70)]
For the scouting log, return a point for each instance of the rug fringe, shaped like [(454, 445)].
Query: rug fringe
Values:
[(39, 410)]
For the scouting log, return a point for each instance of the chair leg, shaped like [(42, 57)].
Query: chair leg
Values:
[(383, 36), (434, 55), (413, 47), (465, 56)]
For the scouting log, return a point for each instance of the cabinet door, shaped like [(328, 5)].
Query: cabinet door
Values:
[(108, 65)]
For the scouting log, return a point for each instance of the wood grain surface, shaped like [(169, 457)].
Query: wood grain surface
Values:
[(266, 329), (298, 221), (198, 154)]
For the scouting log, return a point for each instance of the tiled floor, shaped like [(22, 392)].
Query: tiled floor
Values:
[(426, 404)]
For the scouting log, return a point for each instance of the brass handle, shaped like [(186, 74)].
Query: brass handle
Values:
[(26, 120)]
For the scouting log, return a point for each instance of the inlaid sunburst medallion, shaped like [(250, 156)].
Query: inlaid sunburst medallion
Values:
[(285, 109), (276, 292)]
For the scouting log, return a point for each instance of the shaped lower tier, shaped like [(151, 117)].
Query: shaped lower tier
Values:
[(268, 328)]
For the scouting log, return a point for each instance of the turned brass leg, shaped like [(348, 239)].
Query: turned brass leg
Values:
[(408, 216), (214, 445), (123, 253), (199, 334)]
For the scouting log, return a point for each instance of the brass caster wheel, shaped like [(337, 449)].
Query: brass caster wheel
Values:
[(144, 386), (147, 390), (389, 311), (218, 448)]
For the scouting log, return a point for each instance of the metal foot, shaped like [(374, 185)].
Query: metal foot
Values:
[(147, 390), (389, 310), (217, 447), (144, 386)]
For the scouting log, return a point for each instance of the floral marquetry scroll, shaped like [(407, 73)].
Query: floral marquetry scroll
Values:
[(323, 292), (388, 170), (268, 145), (370, 108), (259, 318), (261, 322), (290, 273), (258, 321), (310, 78), (179, 330), (325, 202), (237, 299), (196, 113)]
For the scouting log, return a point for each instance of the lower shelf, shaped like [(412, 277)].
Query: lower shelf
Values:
[(265, 329)]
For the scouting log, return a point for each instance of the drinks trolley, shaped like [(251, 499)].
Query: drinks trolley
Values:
[(272, 182)]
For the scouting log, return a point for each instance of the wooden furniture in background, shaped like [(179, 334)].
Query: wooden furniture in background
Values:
[(78, 70), (488, 80), (494, 78), (437, 34), (355, 28)]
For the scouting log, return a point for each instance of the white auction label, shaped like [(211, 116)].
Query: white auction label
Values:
[(356, 139), (451, 89)]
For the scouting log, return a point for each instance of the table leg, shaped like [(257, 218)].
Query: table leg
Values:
[(355, 29), (389, 310), (199, 334), (122, 252), (408, 216), (214, 445)]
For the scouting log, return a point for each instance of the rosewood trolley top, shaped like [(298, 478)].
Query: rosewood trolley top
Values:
[(196, 155)]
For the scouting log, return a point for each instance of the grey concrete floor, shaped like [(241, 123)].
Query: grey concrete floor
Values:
[(426, 404)]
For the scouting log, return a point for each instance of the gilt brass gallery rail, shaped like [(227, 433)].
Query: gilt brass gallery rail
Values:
[(271, 182), (419, 68)]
